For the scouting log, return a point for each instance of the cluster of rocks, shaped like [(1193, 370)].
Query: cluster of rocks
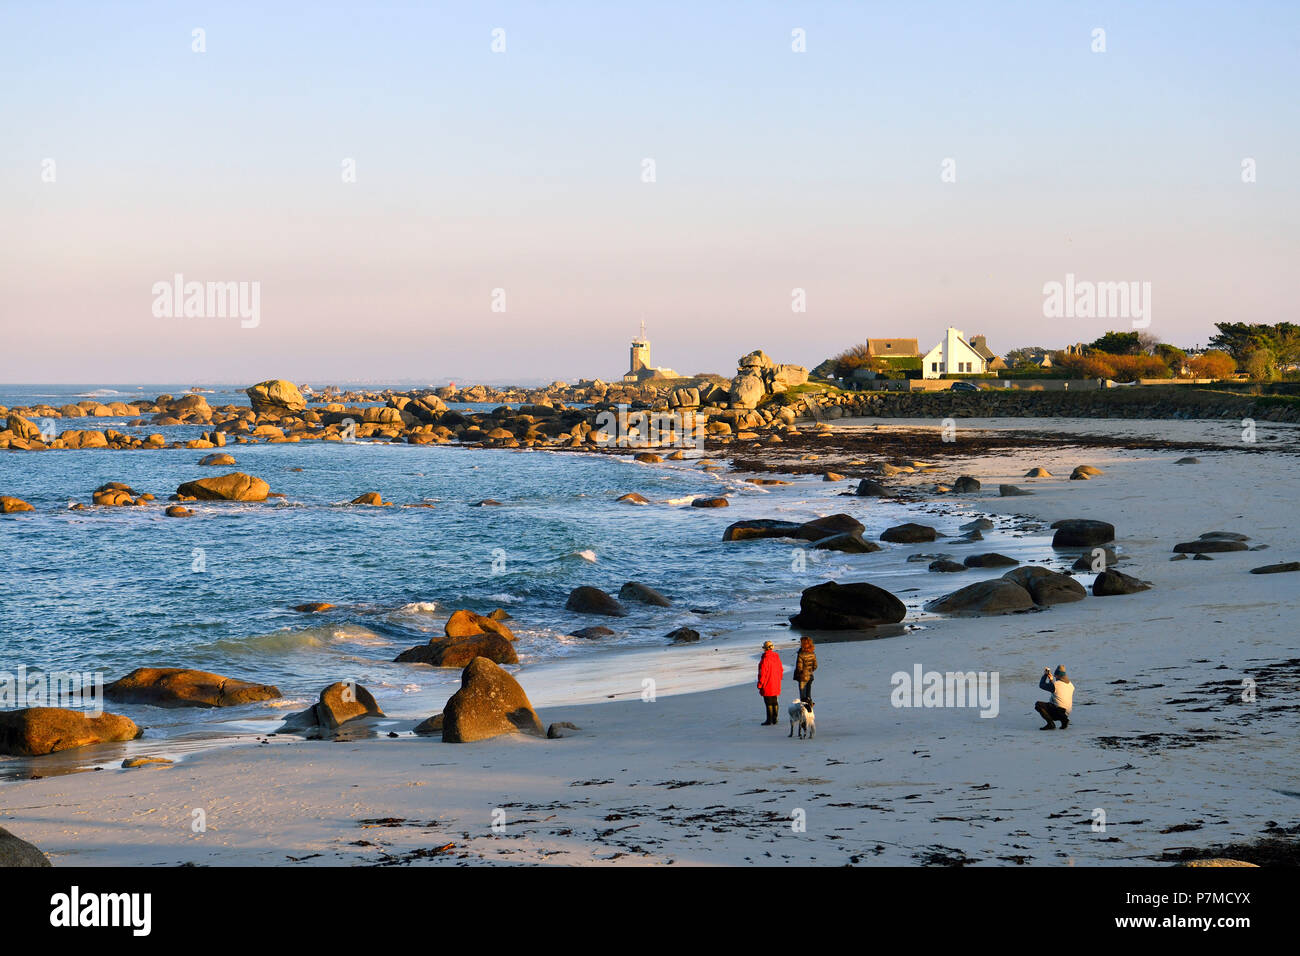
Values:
[(586, 599), (757, 378), (466, 636)]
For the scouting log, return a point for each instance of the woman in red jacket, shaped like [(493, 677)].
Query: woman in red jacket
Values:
[(769, 681)]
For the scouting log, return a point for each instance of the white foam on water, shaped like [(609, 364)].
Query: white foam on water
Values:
[(417, 607)]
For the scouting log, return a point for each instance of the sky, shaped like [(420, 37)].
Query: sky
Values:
[(499, 225)]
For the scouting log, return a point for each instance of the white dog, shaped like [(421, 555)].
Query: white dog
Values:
[(801, 716)]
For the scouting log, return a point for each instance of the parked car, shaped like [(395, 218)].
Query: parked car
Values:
[(965, 387)]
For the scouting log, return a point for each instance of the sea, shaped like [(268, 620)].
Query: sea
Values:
[(106, 590)]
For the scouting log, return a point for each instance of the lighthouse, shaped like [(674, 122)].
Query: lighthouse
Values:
[(639, 355)]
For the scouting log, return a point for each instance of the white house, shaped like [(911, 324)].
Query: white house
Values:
[(953, 356)]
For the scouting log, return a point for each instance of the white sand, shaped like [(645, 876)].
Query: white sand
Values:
[(877, 784)]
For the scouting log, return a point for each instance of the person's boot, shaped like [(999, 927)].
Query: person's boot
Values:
[(1065, 722)]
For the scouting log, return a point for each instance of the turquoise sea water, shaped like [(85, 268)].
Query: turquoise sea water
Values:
[(111, 589)]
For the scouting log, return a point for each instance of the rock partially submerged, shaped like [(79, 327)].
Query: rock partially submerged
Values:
[(10, 505), (589, 600), (37, 731), (853, 606), (182, 687), (909, 533), (945, 566), (643, 594), (339, 703), (595, 632), (990, 560), (235, 486), (850, 542), (869, 488), (490, 703), (466, 635), (276, 397), (683, 635)]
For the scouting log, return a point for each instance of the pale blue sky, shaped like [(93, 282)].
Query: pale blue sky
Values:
[(521, 171)]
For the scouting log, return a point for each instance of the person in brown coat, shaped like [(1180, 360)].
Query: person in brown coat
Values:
[(804, 665)]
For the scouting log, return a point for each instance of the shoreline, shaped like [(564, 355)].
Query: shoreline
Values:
[(696, 781)]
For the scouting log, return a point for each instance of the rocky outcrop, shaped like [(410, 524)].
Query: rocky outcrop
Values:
[(182, 687), (10, 505), (590, 600), (464, 623), (19, 853), (1281, 568), (1111, 582), (757, 377), (868, 488), (642, 594), (998, 596), (1047, 587), (1081, 533), (277, 398), (235, 486), (909, 533), (490, 703), (945, 566), (36, 731), (339, 703), (990, 560), (1214, 542), (854, 606)]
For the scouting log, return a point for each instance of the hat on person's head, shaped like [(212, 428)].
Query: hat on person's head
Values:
[(1060, 670), (767, 645)]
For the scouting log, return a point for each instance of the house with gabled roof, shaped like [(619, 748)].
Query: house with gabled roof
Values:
[(953, 356), (893, 348)]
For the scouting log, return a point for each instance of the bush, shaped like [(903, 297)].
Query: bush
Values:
[(1213, 364), (1120, 368)]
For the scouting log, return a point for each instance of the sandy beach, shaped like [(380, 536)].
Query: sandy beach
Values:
[(1162, 747)]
